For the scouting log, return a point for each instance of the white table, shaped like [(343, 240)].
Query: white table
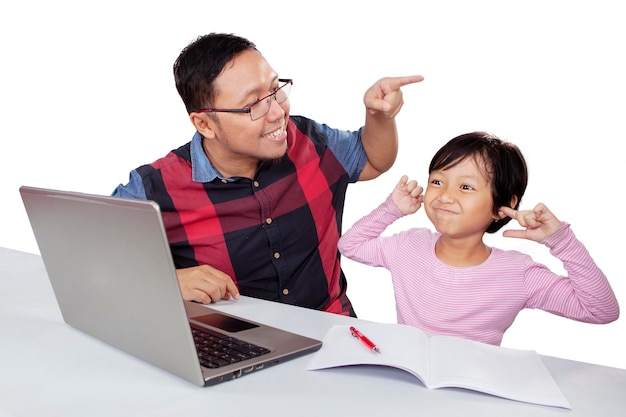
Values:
[(49, 369)]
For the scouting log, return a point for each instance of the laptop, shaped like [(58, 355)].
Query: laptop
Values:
[(111, 269)]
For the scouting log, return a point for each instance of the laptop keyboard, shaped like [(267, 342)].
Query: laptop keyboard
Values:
[(216, 350)]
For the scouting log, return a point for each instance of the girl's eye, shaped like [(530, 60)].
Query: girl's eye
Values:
[(436, 182), (467, 187)]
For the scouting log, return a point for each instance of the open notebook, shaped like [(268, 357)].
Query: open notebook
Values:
[(440, 361), (112, 273)]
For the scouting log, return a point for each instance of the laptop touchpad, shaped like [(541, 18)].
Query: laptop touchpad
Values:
[(230, 324)]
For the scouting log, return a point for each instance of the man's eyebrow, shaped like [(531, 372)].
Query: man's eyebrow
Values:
[(244, 95)]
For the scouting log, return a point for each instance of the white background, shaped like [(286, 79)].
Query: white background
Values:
[(87, 94)]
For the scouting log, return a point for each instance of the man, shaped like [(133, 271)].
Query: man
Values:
[(253, 204)]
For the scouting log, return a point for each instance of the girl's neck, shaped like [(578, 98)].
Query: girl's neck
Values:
[(461, 253)]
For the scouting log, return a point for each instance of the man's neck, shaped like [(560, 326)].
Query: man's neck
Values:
[(231, 167)]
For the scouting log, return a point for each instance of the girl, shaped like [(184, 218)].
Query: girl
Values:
[(449, 282)]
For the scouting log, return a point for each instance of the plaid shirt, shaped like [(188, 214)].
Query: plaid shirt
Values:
[(275, 235)]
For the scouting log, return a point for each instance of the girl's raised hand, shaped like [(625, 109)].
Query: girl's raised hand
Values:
[(407, 195), (539, 222)]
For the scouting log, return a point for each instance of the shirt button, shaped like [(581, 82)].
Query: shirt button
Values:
[(256, 184), (268, 220), (285, 291), (276, 255), (224, 181)]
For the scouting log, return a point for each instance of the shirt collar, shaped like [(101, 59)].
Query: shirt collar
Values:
[(201, 168)]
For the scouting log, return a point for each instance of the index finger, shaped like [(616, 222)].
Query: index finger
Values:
[(232, 289), (395, 83), (508, 211)]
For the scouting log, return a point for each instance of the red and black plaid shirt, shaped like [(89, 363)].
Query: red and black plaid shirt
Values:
[(275, 235)]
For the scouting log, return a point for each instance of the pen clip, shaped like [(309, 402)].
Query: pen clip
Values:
[(364, 339)]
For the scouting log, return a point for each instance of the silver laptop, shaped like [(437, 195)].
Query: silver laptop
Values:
[(112, 273)]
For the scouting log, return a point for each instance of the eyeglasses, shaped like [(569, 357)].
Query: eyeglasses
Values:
[(262, 106)]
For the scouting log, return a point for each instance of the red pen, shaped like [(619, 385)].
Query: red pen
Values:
[(364, 339)]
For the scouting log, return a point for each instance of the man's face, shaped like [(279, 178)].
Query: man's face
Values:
[(235, 137)]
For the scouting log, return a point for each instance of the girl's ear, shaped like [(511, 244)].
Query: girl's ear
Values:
[(514, 201)]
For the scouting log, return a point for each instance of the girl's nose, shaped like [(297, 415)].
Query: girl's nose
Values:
[(445, 197)]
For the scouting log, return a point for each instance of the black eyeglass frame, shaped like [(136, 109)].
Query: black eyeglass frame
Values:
[(248, 109)]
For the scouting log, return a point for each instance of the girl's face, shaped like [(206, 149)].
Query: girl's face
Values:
[(458, 200)]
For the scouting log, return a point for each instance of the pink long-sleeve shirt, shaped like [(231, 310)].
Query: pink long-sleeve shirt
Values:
[(478, 302)]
